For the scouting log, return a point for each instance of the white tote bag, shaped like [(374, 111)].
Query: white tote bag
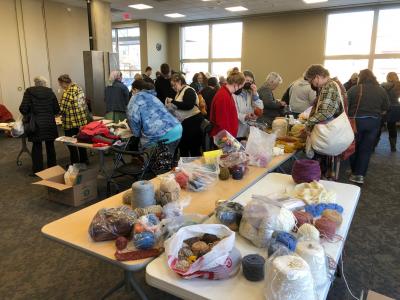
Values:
[(335, 136)]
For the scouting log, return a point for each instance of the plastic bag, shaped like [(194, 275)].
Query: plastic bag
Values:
[(230, 214), (71, 176), (175, 209), (261, 219), (222, 261), (288, 277), (110, 223), (225, 141), (171, 225), (233, 159), (194, 176), (169, 190), (259, 147), (18, 128)]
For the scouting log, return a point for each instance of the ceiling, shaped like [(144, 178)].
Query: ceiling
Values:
[(215, 9)]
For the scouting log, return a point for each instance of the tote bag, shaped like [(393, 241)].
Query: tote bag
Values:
[(333, 137)]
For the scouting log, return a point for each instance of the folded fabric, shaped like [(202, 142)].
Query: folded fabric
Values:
[(95, 128)]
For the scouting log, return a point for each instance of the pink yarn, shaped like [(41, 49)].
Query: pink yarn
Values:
[(306, 170)]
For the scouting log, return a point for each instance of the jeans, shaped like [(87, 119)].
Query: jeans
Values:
[(367, 132), (77, 154), (37, 156)]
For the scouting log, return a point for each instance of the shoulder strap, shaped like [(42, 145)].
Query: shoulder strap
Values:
[(360, 91)]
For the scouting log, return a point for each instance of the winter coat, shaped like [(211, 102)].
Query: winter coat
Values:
[(116, 97), (42, 102)]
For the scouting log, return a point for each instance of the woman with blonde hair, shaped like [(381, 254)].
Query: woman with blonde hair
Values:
[(272, 107), (116, 97), (224, 114)]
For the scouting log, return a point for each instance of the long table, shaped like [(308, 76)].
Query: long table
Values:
[(72, 229), (237, 288)]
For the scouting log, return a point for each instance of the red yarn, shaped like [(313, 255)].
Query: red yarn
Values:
[(302, 217), (326, 227), (306, 170)]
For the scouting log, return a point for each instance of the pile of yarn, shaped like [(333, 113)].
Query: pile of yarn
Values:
[(143, 194), (282, 239), (316, 210), (308, 231), (253, 267), (230, 214), (333, 215), (169, 190), (306, 170), (302, 217), (326, 227)]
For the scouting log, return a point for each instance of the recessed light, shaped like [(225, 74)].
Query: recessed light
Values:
[(140, 6), (314, 1), (175, 15), (236, 8)]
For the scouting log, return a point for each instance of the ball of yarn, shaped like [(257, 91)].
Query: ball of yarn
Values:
[(308, 231), (237, 173), (200, 248), (121, 242), (143, 194), (306, 170), (182, 179), (302, 217), (285, 220), (334, 216), (287, 239), (230, 214), (224, 173), (144, 240), (317, 209), (289, 277), (280, 127), (326, 227), (314, 254), (253, 267)]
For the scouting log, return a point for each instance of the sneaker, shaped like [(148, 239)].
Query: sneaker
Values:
[(357, 179)]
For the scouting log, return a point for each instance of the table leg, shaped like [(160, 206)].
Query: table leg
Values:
[(136, 287), (24, 149), (114, 289), (130, 284)]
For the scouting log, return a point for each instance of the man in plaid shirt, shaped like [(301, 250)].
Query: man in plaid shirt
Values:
[(73, 113)]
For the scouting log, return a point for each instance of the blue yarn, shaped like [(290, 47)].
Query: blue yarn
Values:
[(287, 239), (317, 209), (152, 218), (144, 240)]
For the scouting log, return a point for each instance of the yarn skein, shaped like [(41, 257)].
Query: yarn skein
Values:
[(333, 215), (306, 170), (287, 239), (314, 254), (285, 220), (143, 194), (302, 217), (308, 231), (326, 227), (144, 240), (253, 267)]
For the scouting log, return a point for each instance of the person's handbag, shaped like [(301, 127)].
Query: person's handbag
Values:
[(332, 137), (29, 122), (352, 148), (206, 126)]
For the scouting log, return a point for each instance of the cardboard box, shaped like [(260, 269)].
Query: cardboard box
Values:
[(375, 296), (75, 195)]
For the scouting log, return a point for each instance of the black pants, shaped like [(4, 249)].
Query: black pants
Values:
[(367, 131), (392, 129), (192, 136), (37, 156), (77, 154)]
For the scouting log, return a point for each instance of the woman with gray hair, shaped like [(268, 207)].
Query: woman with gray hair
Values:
[(116, 97), (272, 107), (40, 103)]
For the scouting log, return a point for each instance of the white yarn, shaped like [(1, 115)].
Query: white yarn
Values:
[(314, 254), (289, 277), (313, 193), (308, 232), (285, 221)]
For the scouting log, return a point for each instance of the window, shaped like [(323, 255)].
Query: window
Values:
[(374, 43), (204, 48), (126, 42)]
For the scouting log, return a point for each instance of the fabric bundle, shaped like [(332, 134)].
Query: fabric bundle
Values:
[(96, 132)]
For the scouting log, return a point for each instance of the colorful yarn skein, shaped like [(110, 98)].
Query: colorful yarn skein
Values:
[(326, 227), (302, 217), (144, 240), (253, 267), (306, 170), (317, 209), (334, 216)]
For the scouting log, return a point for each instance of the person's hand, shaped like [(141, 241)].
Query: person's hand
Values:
[(253, 88), (168, 100), (251, 117)]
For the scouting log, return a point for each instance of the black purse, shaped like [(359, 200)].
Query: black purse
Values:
[(29, 122)]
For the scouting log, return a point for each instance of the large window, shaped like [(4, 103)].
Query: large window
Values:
[(126, 42), (373, 42), (213, 48)]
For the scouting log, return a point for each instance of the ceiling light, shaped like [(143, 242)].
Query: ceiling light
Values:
[(314, 1), (141, 6), (236, 8), (175, 15)]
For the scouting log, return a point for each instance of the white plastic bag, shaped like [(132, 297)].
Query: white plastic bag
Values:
[(221, 262), (71, 176), (18, 128), (260, 147)]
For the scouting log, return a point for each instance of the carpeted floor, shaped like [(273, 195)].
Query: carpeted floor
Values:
[(33, 267)]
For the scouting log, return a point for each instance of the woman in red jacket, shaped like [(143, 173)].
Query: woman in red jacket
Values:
[(223, 110)]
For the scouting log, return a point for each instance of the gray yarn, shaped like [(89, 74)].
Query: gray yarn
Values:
[(253, 267), (143, 194)]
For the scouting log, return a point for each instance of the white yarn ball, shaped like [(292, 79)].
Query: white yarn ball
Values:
[(285, 220), (314, 254), (309, 232)]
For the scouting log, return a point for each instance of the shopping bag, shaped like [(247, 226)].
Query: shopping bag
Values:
[(259, 147)]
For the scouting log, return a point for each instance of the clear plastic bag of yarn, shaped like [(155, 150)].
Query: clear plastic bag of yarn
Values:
[(171, 225), (260, 219), (175, 208), (259, 147), (288, 277), (227, 142), (168, 191), (314, 254), (233, 159)]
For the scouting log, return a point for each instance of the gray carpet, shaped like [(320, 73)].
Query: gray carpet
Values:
[(33, 267)]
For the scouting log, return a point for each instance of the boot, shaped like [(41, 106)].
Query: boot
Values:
[(393, 141)]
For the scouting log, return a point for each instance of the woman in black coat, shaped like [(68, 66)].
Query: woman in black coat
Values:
[(41, 102)]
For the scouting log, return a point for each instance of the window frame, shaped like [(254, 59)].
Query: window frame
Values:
[(126, 26), (372, 51), (210, 60)]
